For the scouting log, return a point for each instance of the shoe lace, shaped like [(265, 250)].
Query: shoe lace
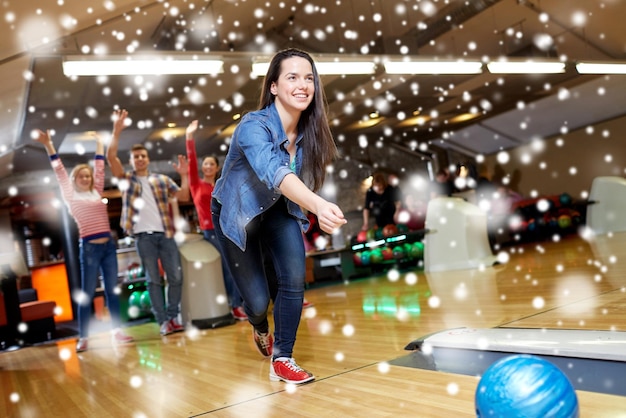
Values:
[(263, 339), (291, 365)]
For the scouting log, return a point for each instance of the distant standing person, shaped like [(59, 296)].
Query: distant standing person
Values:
[(201, 192), (82, 193), (465, 178), (382, 201), (443, 186), (147, 217), (277, 152)]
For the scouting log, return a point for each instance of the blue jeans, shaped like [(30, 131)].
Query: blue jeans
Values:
[(95, 260), (152, 248), (274, 237), (234, 297)]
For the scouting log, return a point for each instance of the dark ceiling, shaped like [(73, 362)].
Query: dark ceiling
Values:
[(513, 110)]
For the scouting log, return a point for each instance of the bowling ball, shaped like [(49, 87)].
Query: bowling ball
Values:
[(565, 221), (370, 234), (387, 253), (376, 256), (398, 252), (525, 386), (417, 250), (361, 236), (144, 300), (402, 228), (552, 222), (136, 272), (390, 230), (135, 299), (378, 233), (565, 199), (356, 259), (365, 257)]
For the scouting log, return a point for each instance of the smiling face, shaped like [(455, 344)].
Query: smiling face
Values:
[(209, 168), (83, 179), (139, 160), (295, 86)]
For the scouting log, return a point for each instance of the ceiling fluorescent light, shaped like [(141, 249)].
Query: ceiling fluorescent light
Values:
[(601, 68), (433, 67), (163, 65), (346, 67), (464, 117), (259, 69), (414, 121), (526, 67)]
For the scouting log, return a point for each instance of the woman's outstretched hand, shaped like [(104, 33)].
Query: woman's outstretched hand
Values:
[(330, 217)]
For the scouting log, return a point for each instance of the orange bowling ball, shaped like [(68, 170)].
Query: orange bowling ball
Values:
[(390, 230)]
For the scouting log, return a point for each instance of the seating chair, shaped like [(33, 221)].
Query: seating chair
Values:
[(38, 315), (23, 306)]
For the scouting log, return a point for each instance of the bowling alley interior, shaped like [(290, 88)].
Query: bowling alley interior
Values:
[(498, 288)]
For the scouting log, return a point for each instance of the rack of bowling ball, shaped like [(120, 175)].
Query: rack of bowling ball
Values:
[(543, 217), (135, 301), (394, 246)]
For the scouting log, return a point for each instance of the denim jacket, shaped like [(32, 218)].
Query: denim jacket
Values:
[(256, 164)]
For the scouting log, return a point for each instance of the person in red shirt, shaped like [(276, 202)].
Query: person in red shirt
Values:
[(201, 193)]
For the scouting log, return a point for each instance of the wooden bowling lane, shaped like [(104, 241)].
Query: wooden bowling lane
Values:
[(102, 387), (602, 312), (398, 391), (580, 284), (346, 340)]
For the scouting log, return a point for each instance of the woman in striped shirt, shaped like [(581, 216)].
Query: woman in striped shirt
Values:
[(82, 194)]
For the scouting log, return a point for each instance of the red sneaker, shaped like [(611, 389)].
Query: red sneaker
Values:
[(306, 304), (240, 314), (286, 369), (264, 342), (175, 325)]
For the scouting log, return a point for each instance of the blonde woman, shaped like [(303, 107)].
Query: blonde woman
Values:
[(82, 194)]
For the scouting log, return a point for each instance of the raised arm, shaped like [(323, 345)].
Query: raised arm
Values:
[(99, 145), (119, 123), (98, 169), (67, 188), (192, 160), (366, 219), (44, 139), (182, 169)]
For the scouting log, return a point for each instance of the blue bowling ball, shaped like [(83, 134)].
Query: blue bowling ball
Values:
[(565, 199), (525, 386)]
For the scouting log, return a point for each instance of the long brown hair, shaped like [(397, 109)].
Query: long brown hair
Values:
[(319, 148)]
